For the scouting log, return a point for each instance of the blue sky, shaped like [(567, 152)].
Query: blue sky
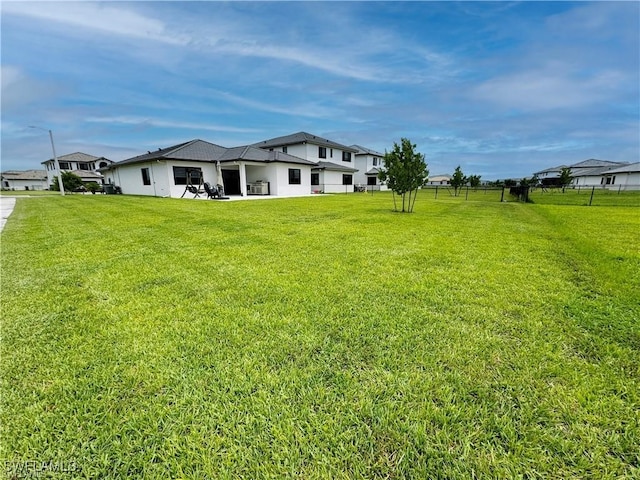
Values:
[(503, 89)]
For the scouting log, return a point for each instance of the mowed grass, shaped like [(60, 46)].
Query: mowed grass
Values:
[(322, 337)]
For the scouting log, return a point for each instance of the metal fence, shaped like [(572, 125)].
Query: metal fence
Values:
[(628, 195)]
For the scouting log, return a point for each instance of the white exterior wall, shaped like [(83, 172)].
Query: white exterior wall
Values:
[(331, 182), (25, 184), (129, 178), (311, 151), (283, 187), (625, 181), (587, 181)]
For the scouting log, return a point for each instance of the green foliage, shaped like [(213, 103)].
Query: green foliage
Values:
[(70, 180), (93, 187), (565, 176), (458, 180), (195, 339), (474, 181), (404, 172)]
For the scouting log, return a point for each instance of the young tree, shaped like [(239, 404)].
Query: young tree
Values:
[(458, 180), (565, 177), (474, 181), (70, 180), (404, 172)]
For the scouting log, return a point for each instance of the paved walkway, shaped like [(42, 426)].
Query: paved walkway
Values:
[(6, 207)]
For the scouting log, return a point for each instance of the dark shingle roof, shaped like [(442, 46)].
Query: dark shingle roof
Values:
[(360, 150), (201, 151), (75, 157), (551, 170), (302, 137), (334, 167), (592, 162), (632, 167)]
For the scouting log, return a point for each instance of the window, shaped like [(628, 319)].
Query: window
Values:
[(284, 149), (84, 166), (346, 157), (294, 176), (322, 152), (331, 152), (64, 165), (146, 179), (371, 180), (347, 179), (375, 161), (186, 175), (315, 179), (102, 164)]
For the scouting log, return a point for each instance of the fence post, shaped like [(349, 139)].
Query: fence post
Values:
[(466, 197), (593, 189), (436, 192), (502, 196)]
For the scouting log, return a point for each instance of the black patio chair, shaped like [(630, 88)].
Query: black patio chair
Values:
[(211, 192)]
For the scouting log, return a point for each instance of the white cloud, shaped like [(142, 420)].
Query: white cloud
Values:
[(150, 122), (97, 17), (549, 88)]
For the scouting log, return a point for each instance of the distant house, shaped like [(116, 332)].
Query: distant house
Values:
[(626, 177), (368, 163), (24, 180), (81, 164), (550, 176), (244, 170), (593, 172), (334, 169), (443, 179)]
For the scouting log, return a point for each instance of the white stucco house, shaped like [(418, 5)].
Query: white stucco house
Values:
[(626, 177), (24, 180), (443, 179), (368, 162), (550, 176), (81, 164), (244, 170), (334, 170), (593, 172)]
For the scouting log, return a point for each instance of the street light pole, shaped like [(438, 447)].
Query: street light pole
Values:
[(55, 159)]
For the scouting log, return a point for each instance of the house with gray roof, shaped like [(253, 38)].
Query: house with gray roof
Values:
[(24, 180), (81, 164), (550, 176), (335, 162), (368, 162), (593, 172), (245, 170)]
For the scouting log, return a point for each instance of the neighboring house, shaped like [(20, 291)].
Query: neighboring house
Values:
[(368, 162), (588, 173), (244, 170), (328, 155), (626, 177), (550, 176), (81, 164), (439, 180), (24, 180), (592, 172)]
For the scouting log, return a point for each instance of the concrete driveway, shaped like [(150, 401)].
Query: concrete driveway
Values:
[(6, 207)]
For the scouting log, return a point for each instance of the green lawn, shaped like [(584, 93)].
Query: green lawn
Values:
[(322, 337)]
